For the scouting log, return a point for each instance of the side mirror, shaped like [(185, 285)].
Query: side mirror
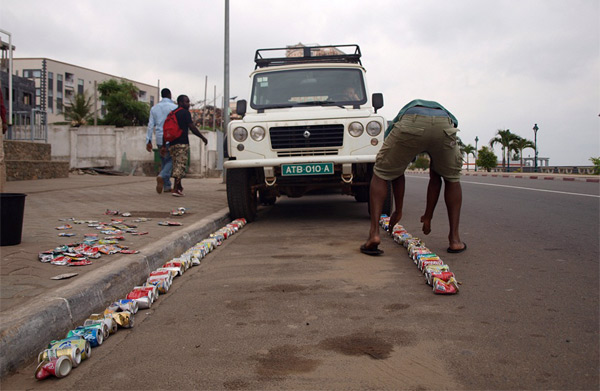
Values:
[(377, 99), (240, 107)]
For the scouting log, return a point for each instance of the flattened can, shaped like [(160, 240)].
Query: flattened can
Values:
[(83, 345), (72, 352), (93, 334), (124, 319), (59, 367)]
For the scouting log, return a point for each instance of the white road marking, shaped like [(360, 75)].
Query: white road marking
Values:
[(522, 188)]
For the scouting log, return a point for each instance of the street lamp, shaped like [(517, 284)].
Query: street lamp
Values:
[(476, 152), (535, 129)]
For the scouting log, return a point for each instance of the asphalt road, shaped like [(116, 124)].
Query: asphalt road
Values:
[(290, 303)]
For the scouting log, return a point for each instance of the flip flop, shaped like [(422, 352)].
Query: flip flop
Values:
[(370, 251), (460, 250)]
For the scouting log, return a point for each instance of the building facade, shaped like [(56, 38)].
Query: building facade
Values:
[(57, 83)]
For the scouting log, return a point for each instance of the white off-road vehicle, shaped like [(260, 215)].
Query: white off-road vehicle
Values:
[(310, 125)]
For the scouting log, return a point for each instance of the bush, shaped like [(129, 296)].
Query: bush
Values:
[(596, 162), (486, 159)]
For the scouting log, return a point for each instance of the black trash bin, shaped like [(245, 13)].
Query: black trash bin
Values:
[(12, 207)]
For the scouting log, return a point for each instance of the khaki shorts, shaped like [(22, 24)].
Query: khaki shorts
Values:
[(179, 154), (415, 134)]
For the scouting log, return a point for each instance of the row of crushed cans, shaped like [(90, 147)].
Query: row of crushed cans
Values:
[(61, 356), (437, 273)]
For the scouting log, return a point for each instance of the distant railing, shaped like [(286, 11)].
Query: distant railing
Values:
[(28, 126), (581, 170)]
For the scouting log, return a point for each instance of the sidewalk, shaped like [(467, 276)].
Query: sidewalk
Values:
[(34, 309)]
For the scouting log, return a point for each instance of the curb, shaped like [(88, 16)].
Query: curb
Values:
[(29, 329), (547, 178)]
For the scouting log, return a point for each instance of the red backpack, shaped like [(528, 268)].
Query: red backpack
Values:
[(171, 129)]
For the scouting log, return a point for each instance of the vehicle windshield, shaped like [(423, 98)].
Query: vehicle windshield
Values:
[(308, 87)]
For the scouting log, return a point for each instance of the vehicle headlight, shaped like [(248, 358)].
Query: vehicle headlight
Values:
[(355, 129), (257, 133), (373, 128), (240, 134)]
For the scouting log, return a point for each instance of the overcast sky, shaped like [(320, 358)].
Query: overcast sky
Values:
[(495, 64)]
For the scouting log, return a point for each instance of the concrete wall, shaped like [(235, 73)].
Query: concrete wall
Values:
[(123, 149)]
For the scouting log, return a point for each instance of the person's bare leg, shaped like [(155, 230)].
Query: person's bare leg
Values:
[(453, 199), (398, 187), (377, 194), (433, 194)]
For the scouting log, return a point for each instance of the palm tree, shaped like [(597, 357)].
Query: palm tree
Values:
[(505, 139), (520, 144), (468, 150), (79, 110)]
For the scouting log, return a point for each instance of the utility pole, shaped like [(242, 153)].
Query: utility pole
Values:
[(225, 114), (204, 105)]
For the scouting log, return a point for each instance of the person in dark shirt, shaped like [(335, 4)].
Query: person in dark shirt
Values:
[(180, 147)]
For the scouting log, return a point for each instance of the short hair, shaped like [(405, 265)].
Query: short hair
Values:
[(165, 93), (180, 99)]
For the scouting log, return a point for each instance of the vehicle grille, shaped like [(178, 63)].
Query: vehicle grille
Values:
[(309, 152), (293, 137)]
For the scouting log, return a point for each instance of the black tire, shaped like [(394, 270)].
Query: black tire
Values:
[(240, 197), (362, 194)]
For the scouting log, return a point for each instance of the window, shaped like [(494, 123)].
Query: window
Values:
[(27, 99), (50, 83), (80, 86), (59, 105)]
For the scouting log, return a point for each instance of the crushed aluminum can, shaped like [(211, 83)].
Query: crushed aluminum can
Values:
[(444, 276), (83, 345), (151, 289), (169, 223), (107, 320), (73, 352), (111, 212), (449, 287), (142, 299), (66, 226), (79, 262), (126, 214), (60, 261), (162, 285), (66, 234), (45, 257), (93, 334), (123, 319), (127, 251), (108, 249), (59, 367), (123, 305), (175, 266), (114, 237), (173, 271), (140, 233)]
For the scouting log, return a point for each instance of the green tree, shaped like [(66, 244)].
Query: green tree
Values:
[(596, 161), (79, 110), (520, 144), (122, 105), (505, 138), (486, 159), (468, 150)]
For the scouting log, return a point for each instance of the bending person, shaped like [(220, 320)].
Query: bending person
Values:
[(420, 126)]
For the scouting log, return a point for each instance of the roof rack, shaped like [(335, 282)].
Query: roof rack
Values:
[(300, 54)]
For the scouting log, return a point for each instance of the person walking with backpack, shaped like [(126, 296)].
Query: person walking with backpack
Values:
[(179, 146), (158, 114)]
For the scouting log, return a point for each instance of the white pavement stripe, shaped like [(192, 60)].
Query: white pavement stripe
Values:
[(522, 188)]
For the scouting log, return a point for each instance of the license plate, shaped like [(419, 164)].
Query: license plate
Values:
[(307, 169)]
